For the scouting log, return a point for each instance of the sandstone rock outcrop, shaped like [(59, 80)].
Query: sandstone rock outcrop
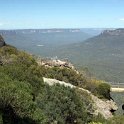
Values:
[(103, 107), (56, 63)]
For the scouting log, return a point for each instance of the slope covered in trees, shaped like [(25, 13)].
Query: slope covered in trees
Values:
[(102, 54)]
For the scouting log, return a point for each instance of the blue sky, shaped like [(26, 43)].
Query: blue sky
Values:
[(19, 14)]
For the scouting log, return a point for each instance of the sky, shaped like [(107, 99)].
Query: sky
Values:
[(25, 14)]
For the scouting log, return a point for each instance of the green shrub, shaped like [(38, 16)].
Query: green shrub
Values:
[(16, 100), (104, 90), (63, 105), (95, 123), (116, 120)]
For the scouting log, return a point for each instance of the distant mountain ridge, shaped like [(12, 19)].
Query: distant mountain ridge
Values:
[(53, 30), (45, 36), (45, 41), (28, 31), (114, 32), (103, 54)]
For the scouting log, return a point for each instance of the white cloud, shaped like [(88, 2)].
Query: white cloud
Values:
[(121, 19)]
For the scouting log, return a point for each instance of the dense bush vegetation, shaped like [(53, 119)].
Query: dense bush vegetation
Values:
[(63, 106), (26, 99), (114, 120), (104, 90), (97, 87)]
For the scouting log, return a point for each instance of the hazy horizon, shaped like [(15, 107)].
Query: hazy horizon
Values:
[(93, 28)]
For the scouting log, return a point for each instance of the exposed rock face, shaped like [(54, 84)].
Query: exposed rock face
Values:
[(2, 42), (56, 63), (103, 107), (114, 32)]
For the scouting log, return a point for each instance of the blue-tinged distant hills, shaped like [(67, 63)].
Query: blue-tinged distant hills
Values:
[(43, 41), (47, 36), (102, 54)]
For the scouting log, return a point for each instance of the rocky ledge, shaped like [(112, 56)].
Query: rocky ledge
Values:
[(53, 62), (103, 107)]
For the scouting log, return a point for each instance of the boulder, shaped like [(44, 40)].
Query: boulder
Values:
[(2, 42)]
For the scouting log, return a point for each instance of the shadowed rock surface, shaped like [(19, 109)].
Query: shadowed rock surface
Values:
[(2, 42)]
